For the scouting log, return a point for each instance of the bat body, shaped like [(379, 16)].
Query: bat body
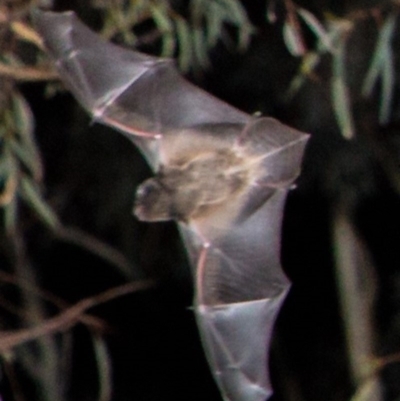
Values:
[(222, 174)]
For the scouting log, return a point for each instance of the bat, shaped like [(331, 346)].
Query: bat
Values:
[(221, 174)]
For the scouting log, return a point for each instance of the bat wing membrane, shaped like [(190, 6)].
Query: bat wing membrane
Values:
[(240, 282), (140, 95), (235, 252), (240, 289)]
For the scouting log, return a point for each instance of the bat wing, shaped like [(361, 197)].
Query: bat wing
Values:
[(239, 280), (235, 251), (240, 289), (142, 96)]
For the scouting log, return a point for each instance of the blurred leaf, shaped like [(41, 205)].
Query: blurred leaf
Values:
[(24, 126), (382, 66), (214, 24), (316, 27), (103, 367), (165, 26), (26, 33), (10, 215), (185, 53), (26, 157), (200, 48), (367, 390), (271, 11), (292, 38), (308, 64), (23, 116), (311, 59), (380, 52), (388, 84), (33, 197), (340, 93), (236, 11), (236, 14), (196, 11), (9, 177), (341, 106)]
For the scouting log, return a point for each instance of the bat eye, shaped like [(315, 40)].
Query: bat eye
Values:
[(147, 190), (152, 202)]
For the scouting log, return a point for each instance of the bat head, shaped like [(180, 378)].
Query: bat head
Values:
[(192, 187)]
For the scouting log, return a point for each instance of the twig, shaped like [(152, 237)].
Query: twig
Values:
[(91, 321), (68, 318), (97, 247), (27, 73)]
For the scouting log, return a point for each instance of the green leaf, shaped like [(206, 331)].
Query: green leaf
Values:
[(165, 26), (382, 67), (388, 84), (341, 106), (26, 150), (185, 53), (27, 158), (10, 215), (311, 60), (214, 23), (316, 27), (340, 93), (24, 121), (237, 15), (307, 66), (104, 366), (383, 45), (293, 39), (200, 47), (196, 11), (235, 11), (33, 197)]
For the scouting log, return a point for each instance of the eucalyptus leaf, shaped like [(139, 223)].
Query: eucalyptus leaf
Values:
[(31, 194), (10, 215), (200, 48), (340, 92), (26, 149), (166, 27), (27, 158), (316, 27), (214, 23), (388, 84), (379, 56), (185, 44), (292, 39), (104, 367)]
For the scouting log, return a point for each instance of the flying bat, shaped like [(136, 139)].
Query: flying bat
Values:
[(221, 174)]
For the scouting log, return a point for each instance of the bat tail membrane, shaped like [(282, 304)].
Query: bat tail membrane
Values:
[(239, 291), (241, 372)]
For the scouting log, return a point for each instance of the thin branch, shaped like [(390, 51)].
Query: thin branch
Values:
[(97, 247), (27, 73), (68, 318), (88, 320)]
